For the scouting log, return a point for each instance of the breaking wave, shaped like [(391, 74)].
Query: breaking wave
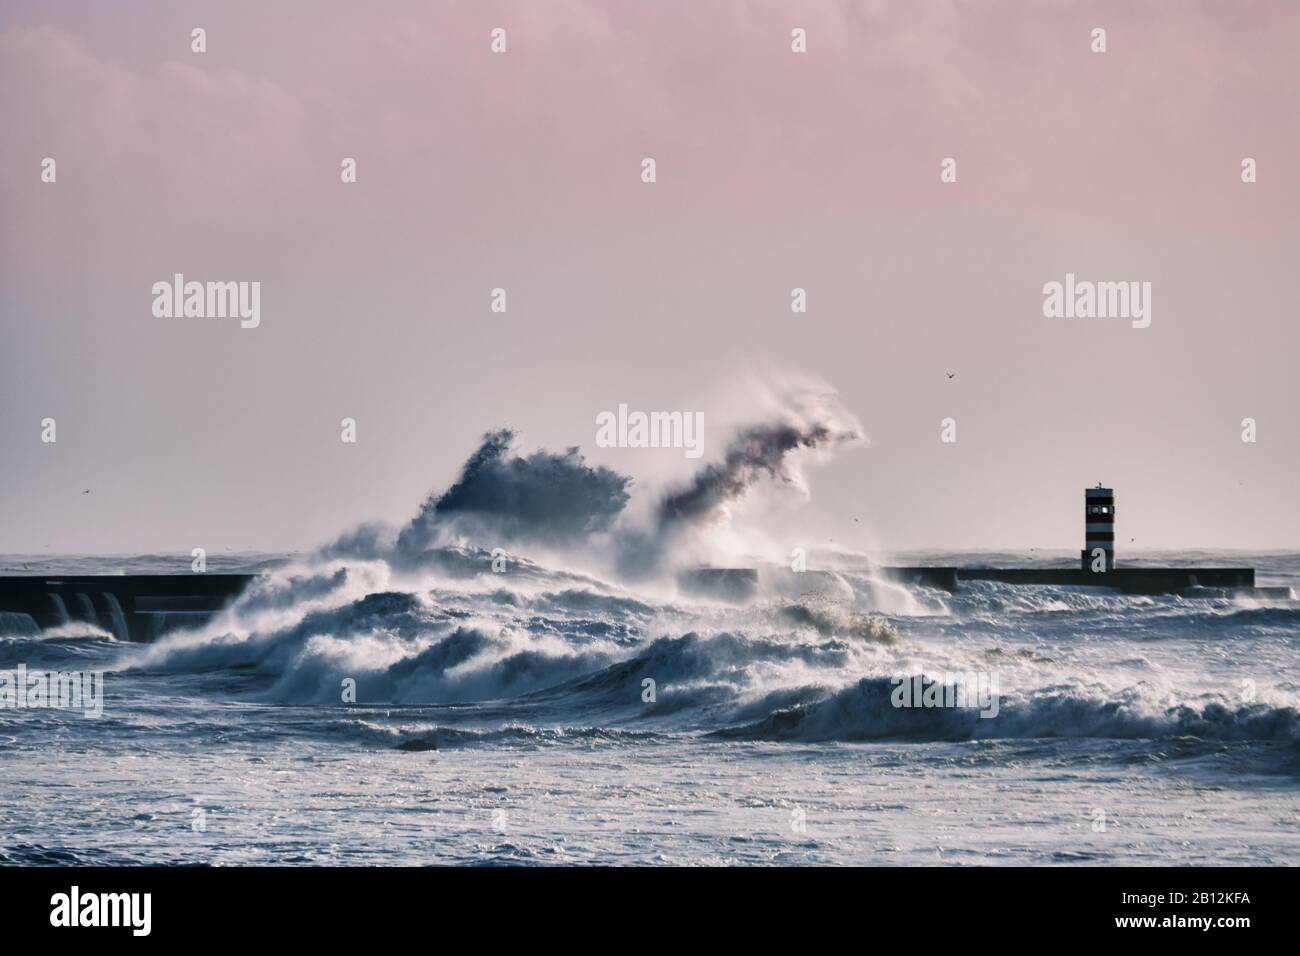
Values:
[(522, 606), (864, 711)]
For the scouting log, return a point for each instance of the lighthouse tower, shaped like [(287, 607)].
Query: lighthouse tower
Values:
[(1099, 526)]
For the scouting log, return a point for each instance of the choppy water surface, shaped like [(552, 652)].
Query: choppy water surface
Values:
[(506, 718)]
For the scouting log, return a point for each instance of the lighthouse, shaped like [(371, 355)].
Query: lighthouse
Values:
[(1098, 527)]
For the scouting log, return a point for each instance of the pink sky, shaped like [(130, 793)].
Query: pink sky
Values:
[(521, 170)]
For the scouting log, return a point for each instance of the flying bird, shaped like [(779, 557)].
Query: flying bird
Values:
[(952, 374)]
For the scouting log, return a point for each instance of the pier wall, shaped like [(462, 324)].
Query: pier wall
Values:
[(134, 607), (140, 607)]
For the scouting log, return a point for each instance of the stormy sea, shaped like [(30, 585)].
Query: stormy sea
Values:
[(526, 673)]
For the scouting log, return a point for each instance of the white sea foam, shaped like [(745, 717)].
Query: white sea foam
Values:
[(570, 684)]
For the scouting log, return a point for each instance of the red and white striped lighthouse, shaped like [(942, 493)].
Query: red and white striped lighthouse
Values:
[(1099, 526)]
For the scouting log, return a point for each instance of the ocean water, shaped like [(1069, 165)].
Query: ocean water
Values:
[(506, 718)]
